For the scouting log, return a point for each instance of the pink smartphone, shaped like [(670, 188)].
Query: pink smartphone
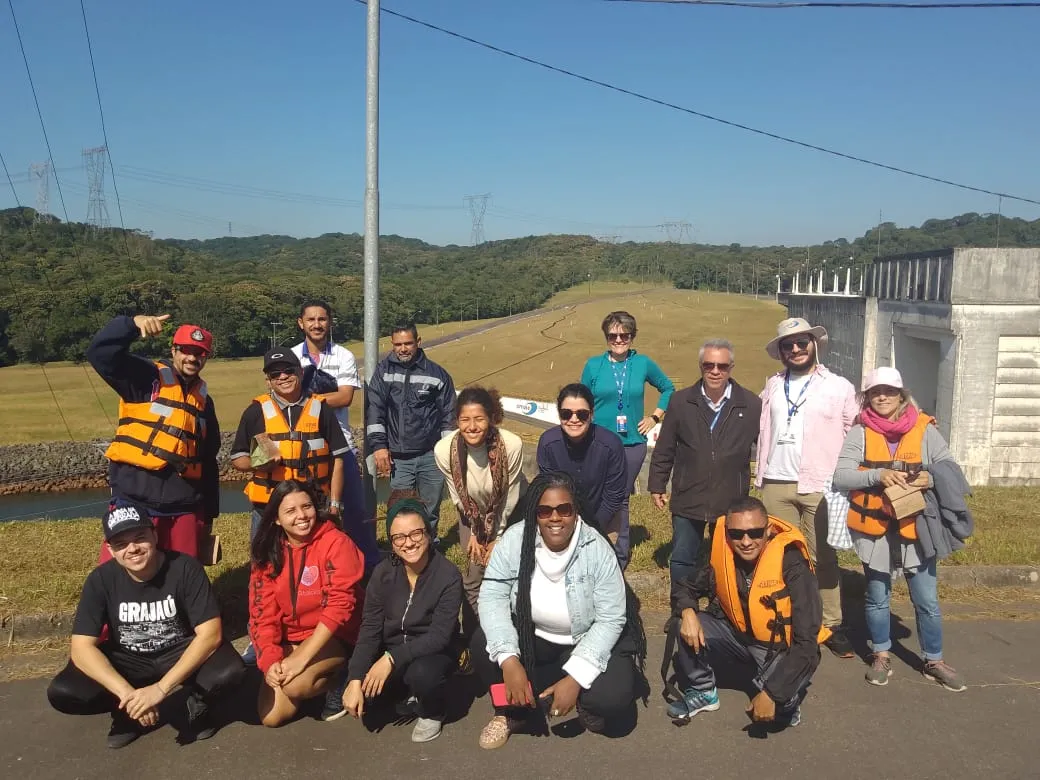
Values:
[(499, 698)]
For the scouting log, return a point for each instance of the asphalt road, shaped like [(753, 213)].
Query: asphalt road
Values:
[(911, 728)]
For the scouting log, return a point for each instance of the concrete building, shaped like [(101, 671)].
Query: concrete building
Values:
[(963, 328)]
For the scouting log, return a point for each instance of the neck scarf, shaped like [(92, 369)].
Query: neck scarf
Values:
[(892, 430), (483, 524)]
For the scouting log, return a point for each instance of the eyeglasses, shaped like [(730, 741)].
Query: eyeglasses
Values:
[(624, 338), (583, 415), (723, 367), (544, 511), (789, 346), (736, 534), (398, 540), (278, 373)]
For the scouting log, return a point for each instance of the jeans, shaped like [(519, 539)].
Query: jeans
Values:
[(687, 536), (255, 518), (420, 473), (634, 457), (73, 693), (925, 597), (354, 514), (722, 645)]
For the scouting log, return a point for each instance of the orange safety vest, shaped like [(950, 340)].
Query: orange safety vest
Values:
[(305, 454), (164, 432), (869, 510), (767, 615)]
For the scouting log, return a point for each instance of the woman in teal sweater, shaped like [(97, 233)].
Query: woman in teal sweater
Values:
[(617, 379)]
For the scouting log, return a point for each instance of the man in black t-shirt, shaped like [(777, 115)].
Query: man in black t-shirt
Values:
[(163, 630)]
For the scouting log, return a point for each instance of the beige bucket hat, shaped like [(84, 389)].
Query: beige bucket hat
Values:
[(793, 327)]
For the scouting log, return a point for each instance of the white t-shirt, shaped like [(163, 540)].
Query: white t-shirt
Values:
[(338, 362), (788, 435)]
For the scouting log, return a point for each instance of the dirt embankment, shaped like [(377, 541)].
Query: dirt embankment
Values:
[(55, 466)]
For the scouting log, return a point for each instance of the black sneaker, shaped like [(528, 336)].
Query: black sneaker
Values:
[(839, 643), (199, 724), (124, 730), (334, 709)]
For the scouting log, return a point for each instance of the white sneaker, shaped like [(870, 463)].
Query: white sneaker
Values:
[(426, 730)]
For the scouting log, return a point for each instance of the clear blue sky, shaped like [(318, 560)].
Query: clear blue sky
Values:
[(270, 95)]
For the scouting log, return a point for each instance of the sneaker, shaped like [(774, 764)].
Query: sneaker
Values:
[(944, 674), (789, 719), (124, 730), (496, 733), (426, 730), (596, 724), (465, 663), (692, 702), (839, 644), (880, 669), (405, 708), (199, 724), (249, 655), (333, 708)]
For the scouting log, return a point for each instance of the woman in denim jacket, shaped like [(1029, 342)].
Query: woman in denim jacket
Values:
[(553, 612)]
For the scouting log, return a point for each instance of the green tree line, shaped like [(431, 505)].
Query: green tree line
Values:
[(60, 282)]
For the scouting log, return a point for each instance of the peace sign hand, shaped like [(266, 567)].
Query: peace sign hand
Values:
[(149, 325)]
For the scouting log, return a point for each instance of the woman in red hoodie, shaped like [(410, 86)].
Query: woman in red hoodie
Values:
[(304, 601)]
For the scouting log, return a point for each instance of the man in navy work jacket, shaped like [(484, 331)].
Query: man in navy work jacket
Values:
[(409, 406), (164, 453)]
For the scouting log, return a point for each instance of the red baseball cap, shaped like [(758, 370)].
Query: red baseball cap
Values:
[(193, 336)]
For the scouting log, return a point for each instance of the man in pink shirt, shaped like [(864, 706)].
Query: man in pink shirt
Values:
[(806, 412)]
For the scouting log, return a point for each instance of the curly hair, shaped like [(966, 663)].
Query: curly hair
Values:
[(485, 397)]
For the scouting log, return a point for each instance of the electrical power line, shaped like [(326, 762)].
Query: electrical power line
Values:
[(852, 4), (701, 114)]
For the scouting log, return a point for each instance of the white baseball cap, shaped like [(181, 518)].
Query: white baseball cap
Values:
[(883, 375)]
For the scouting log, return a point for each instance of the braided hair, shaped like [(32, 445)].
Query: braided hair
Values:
[(633, 634)]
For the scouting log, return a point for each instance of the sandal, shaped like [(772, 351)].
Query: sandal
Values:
[(496, 733)]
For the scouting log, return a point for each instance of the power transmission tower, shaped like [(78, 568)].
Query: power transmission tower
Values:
[(41, 174), (676, 231), (477, 207), (97, 212)]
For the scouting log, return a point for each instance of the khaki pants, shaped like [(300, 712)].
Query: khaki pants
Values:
[(808, 513), (472, 576)]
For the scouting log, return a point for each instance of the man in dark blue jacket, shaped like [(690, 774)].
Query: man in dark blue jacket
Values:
[(409, 406), (164, 452)]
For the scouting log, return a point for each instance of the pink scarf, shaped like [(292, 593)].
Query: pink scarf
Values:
[(892, 430)]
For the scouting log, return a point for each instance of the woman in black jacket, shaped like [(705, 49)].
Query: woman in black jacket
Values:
[(410, 621)]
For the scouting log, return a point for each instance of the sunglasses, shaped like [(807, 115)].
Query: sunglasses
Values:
[(723, 367), (583, 415), (399, 540), (278, 373), (622, 337), (198, 352), (736, 534), (544, 511), (788, 346)]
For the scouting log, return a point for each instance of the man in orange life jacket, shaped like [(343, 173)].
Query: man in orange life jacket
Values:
[(308, 436), (764, 613), (164, 453)]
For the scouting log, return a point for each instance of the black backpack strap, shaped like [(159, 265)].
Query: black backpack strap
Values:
[(670, 691)]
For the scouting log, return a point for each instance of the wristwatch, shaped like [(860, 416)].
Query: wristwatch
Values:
[(655, 418), (336, 504)]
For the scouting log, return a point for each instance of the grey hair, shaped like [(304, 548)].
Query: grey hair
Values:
[(622, 318), (717, 344)]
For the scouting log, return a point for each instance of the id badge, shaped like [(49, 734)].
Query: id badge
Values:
[(786, 438), (622, 423)]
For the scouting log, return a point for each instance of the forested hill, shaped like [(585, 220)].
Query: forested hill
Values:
[(60, 282)]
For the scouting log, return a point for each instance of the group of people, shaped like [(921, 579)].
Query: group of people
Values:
[(540, 610)]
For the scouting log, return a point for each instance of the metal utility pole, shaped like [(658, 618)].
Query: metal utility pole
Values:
[(274, 333), (477, 207), (97, 212), (372, 193), (41, 174)]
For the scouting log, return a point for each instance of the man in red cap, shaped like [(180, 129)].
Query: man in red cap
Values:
[(164, 453)]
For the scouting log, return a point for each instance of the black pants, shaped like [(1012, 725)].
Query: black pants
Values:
[(722, 645), (425, 678), (610, 695), (73, 693)]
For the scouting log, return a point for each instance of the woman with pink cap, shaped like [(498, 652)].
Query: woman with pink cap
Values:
[(894, 445)]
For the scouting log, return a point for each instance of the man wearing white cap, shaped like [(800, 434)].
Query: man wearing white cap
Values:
[(806, 412)]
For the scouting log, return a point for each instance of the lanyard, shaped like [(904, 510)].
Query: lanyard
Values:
[(620, 381), (718, 414), (792, 408)]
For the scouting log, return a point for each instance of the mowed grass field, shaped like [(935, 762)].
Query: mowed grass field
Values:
[(531, 358)]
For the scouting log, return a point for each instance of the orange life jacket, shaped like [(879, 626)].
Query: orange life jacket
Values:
[(305, 453), (767, 616), (165, 432), (869, 510)]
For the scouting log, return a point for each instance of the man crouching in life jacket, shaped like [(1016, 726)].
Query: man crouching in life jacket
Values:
[(764, 613), (164, 452)]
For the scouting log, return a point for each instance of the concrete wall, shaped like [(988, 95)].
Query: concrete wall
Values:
[(843, 317), (991, 276)]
